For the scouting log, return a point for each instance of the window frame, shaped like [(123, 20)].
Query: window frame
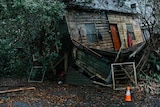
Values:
[(91, 32), (130, 30)]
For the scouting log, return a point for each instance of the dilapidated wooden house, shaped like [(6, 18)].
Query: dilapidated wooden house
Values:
[(99, 34), (86, 24)]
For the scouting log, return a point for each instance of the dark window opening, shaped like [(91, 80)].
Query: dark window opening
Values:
[(91, 33), (130, 31)]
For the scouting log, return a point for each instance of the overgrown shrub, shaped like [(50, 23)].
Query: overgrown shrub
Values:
[(28, 27)]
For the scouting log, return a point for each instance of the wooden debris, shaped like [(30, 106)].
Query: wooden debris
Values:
[(118, 54), (1, 101), (53, 65), (123, 76), (94, 67), (87, 48), (19, 89), (126, 72), (102, 84), (137, 50)]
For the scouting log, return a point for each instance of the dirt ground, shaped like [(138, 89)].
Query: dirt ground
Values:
[(50, 94)]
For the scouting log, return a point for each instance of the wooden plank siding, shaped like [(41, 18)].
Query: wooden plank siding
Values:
[(76, 21), (95, 65)]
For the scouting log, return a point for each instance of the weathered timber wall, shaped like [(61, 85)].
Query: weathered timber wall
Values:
[(76, 22), (121, 20), (92, 64)]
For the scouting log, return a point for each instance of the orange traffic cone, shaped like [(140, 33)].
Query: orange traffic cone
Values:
[(128, 94)]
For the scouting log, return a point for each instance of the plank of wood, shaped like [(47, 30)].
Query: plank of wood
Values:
[(19, 89), (102, 84), (89, 71), (1, 102), (96, 74), (87, 48), (128, 75), (65, 62), (117, 57), (60, 60), (137, 50)]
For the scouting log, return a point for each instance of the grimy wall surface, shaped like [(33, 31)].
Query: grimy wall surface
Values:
[(76, 21), (121, 20)]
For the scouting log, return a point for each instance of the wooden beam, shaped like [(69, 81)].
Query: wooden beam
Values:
[(1, 101), (19, 89), (128, 74), (102, 84), (87, 48), (118, 54), (90, 72), (65, 62), (136, 51), (52, 67), (58, 62)]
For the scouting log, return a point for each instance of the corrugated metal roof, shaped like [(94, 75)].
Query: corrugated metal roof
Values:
[(103, 5)]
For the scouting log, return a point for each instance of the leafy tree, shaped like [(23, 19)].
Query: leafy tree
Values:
[(149, 15), (28, 27)]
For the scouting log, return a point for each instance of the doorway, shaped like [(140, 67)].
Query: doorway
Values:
[(115, 36)]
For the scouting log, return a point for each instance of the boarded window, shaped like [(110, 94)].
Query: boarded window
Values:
[(91, 32), (130, 31)]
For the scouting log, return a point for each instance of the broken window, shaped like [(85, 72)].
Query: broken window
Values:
[(130, 31), (91, 32)]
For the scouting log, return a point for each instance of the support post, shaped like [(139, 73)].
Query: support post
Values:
[(65, 62)]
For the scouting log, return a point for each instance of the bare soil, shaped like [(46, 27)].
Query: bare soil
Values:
[(50, 94)]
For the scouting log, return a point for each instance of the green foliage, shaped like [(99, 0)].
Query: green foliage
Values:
[(153, 74), (154, 63), (28, 27), (13, 62)]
